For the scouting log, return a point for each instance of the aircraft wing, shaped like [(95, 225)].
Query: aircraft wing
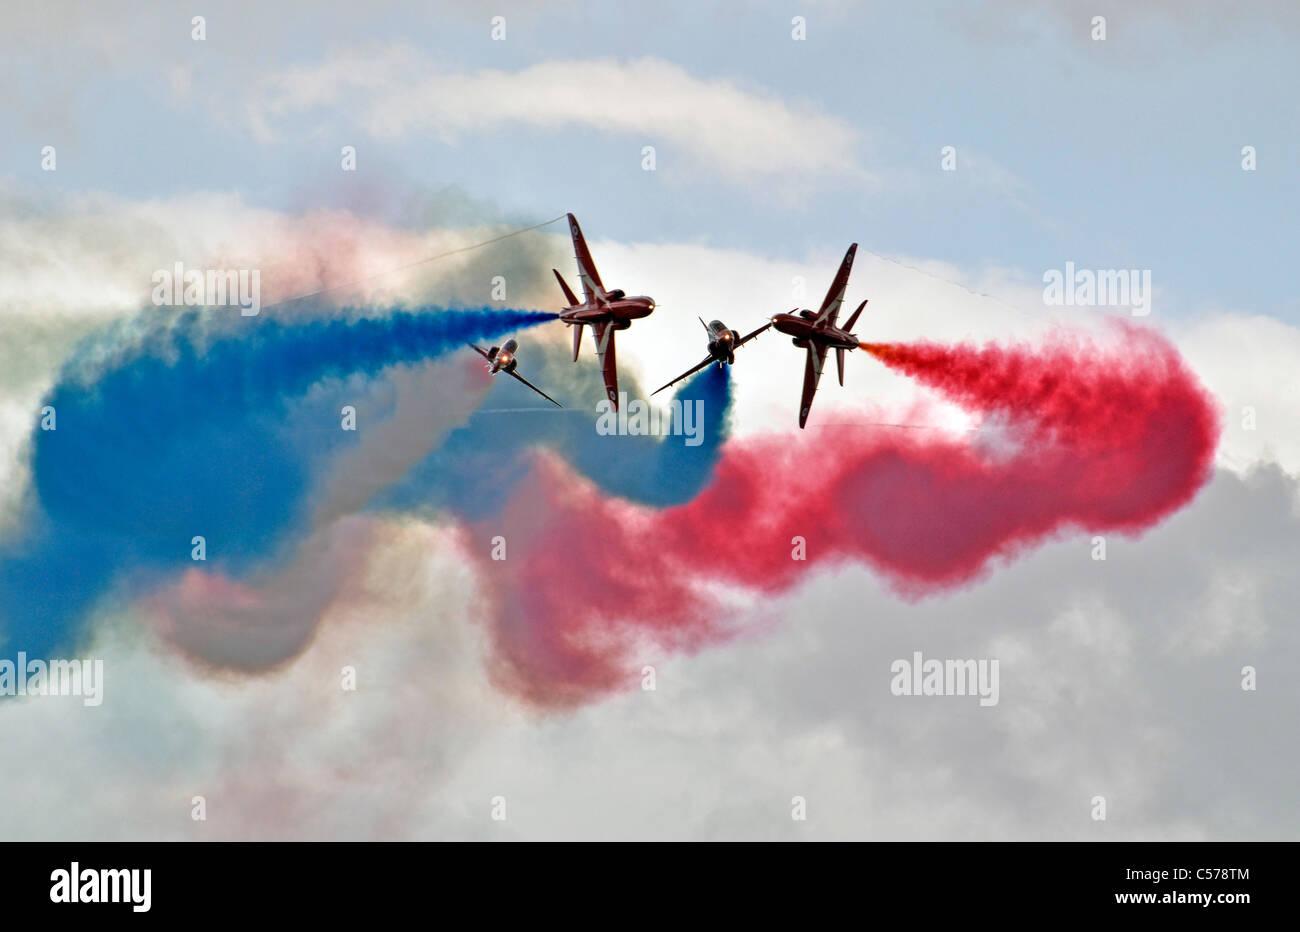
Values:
[(812, 374), (604, 336), (835, 297), (749, 336), (536, 389), (592, 289), (481, 351), (686, 374)]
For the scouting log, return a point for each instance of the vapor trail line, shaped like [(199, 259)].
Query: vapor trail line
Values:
[(518, 410), (900, 426), (946, 281), (411, 265)]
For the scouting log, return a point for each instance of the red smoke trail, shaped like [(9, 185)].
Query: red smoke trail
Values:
[(1099, 438)]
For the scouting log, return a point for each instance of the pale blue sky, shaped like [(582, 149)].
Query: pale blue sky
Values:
[(1115, 154)]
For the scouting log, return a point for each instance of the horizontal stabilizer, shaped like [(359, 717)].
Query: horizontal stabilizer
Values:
[(854, 319), (577, 340)]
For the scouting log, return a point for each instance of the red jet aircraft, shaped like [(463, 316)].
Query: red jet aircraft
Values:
[(723, 343), (503, 359), (818, 333), (603, 311)]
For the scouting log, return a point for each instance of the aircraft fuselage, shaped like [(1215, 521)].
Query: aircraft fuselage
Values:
[(503, 359), (722, 342), (605, 311), (618, 311), (802, 327)]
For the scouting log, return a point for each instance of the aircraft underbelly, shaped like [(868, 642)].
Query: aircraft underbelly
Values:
[(795, 327), (587, 316)]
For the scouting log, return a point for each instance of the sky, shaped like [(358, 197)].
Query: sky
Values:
[(1120, 678), (1120, 153)]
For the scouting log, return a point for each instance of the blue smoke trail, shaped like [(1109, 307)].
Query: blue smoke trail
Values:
[(475, 468), (183, 434), (661, 472)]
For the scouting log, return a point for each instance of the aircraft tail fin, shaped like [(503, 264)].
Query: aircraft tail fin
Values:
[(839, 362), (564, 286)]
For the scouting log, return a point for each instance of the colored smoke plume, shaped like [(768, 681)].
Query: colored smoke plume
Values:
[(1108, 437), (171, 428)]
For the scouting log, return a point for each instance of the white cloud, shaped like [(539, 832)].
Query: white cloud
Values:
[(743, 134), (1250, 362), (1119, 679), (1101, 694), (1243, 360), (270, 753)]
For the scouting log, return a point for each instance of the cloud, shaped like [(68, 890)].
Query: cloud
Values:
[(1107, 688), (273, 756), (743, 135), (1242, 359), (1101, 695), (1197, 20), (1250, 361), (1119, 678)]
